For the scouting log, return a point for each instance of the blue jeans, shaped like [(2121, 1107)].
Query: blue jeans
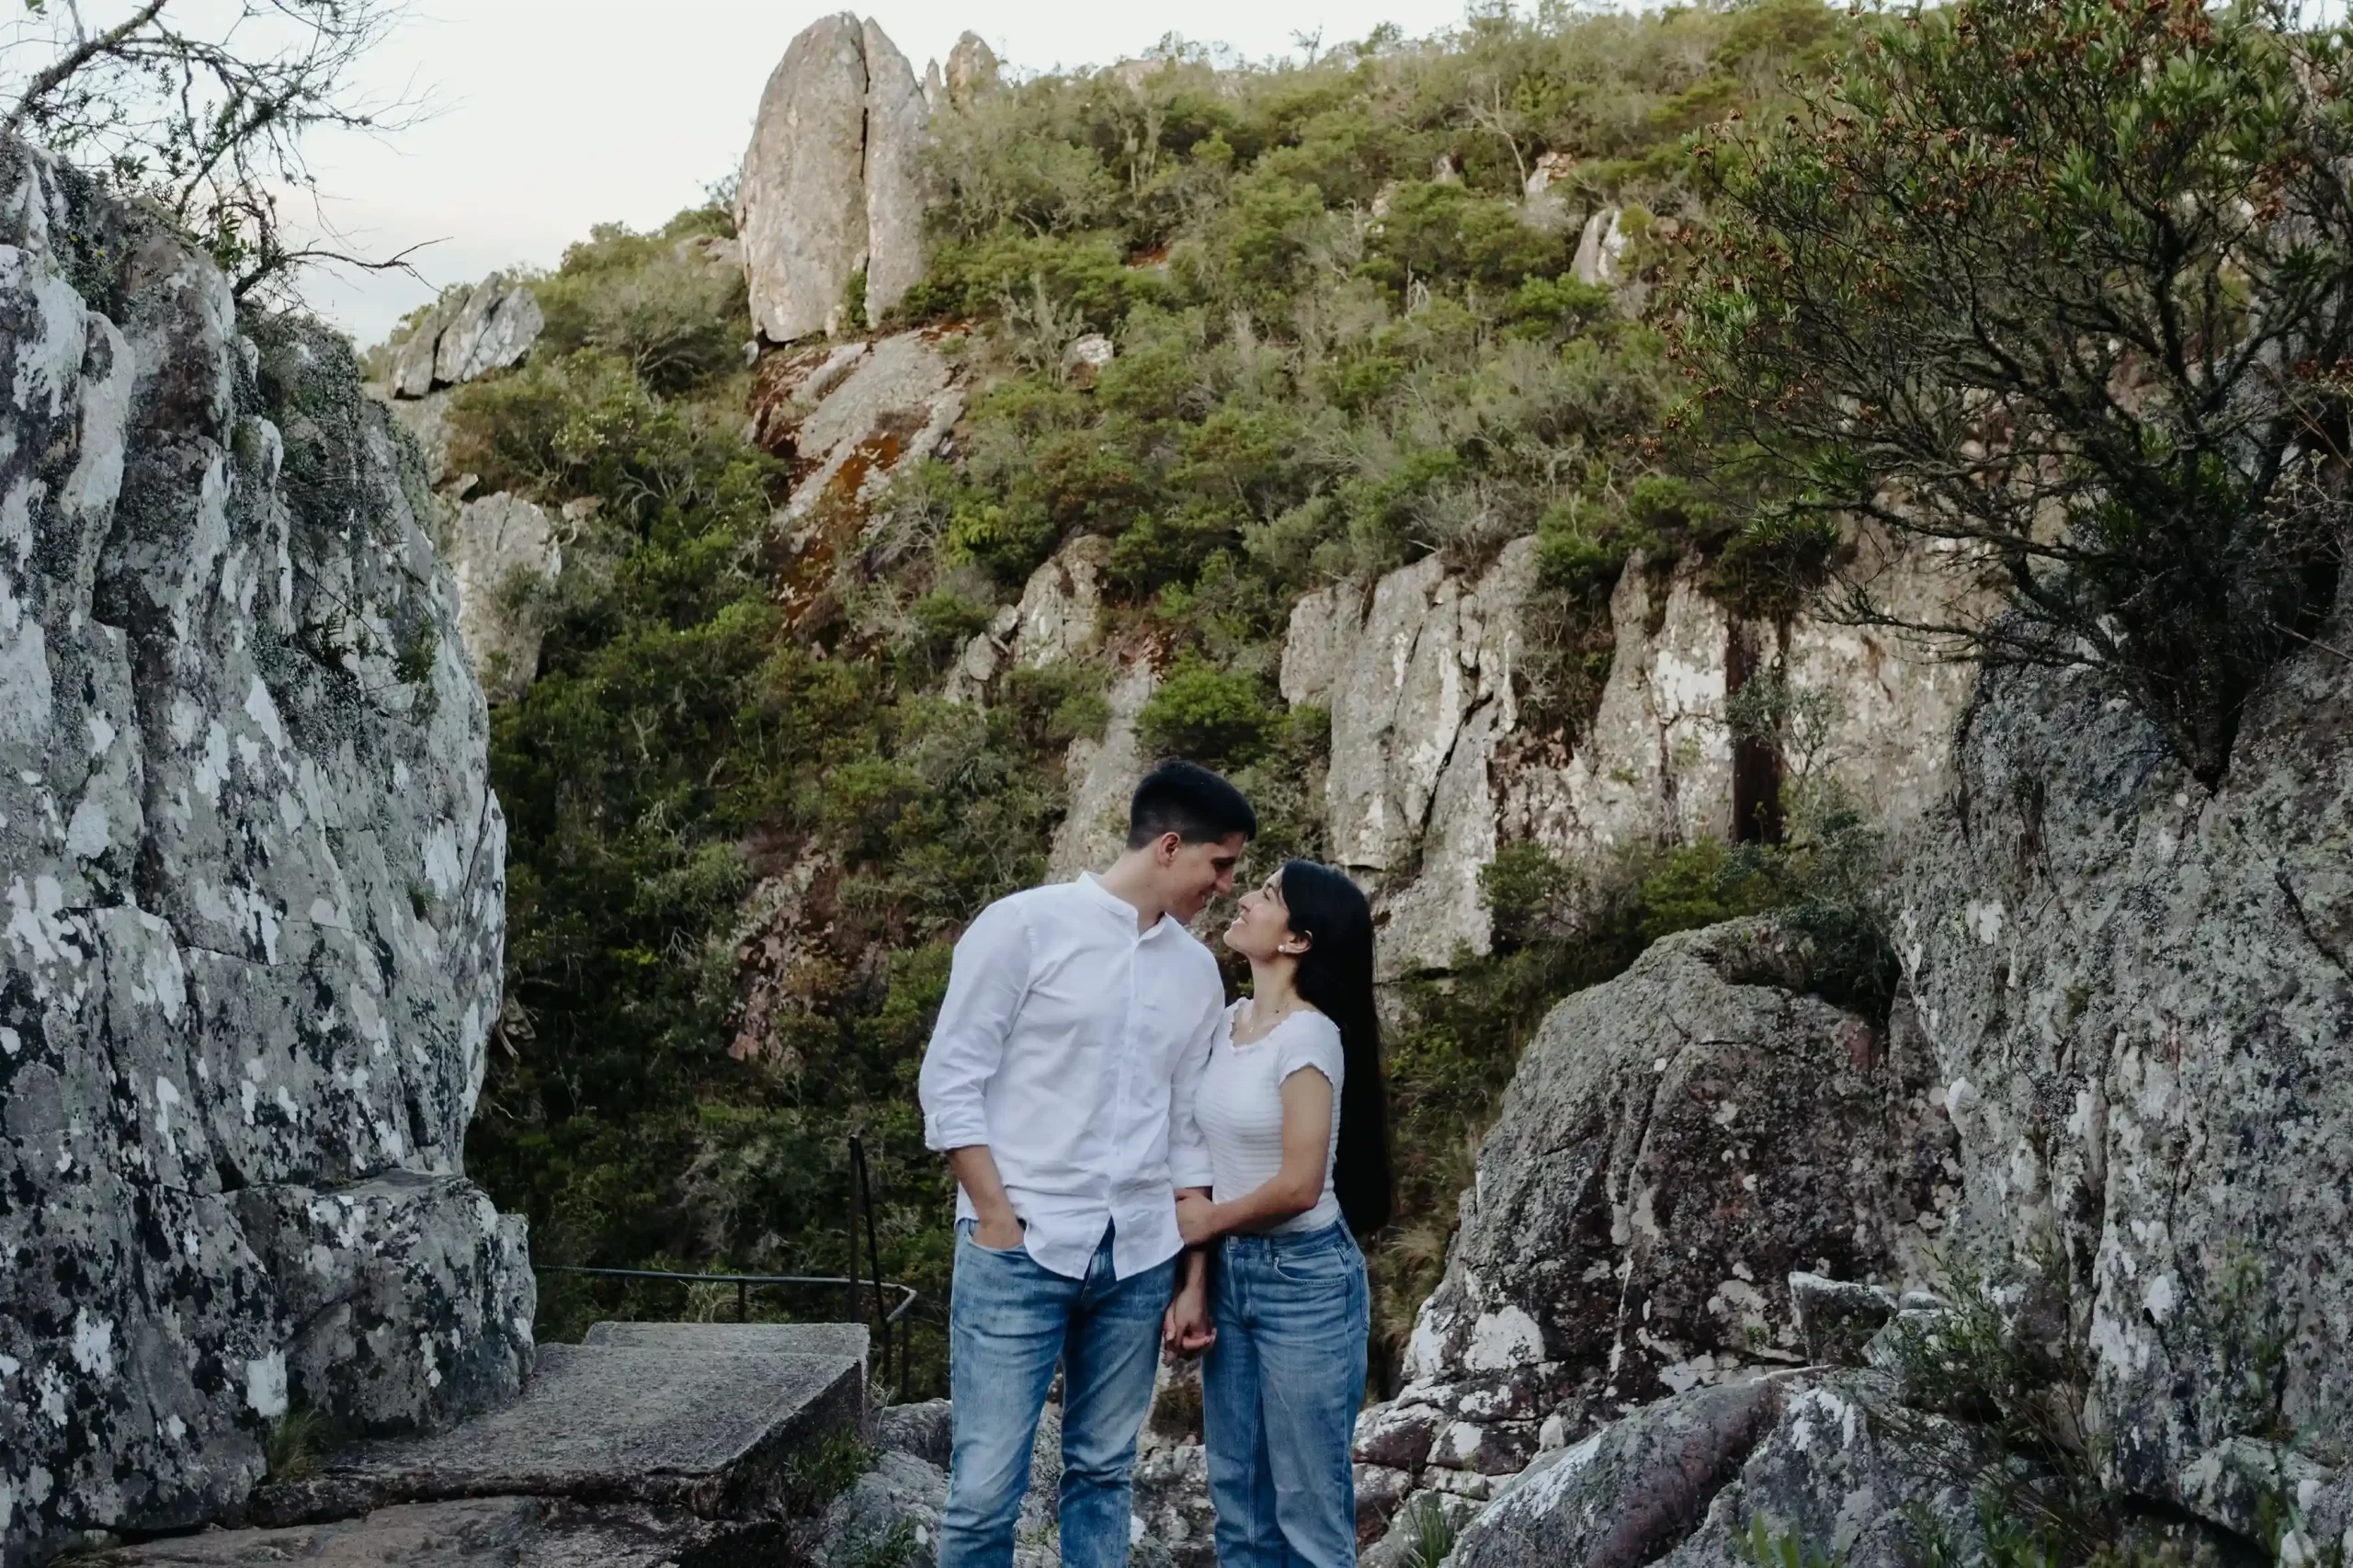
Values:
[(1279, 1394), (1009, 1319)]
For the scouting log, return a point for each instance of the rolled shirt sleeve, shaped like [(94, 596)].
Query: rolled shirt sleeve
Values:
[(986, 980), (1188, 1150)]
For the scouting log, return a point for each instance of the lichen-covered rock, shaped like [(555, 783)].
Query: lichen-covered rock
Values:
[(1060, 612), (850, 415), (252, 878), (1627, 1494), (889, 1514), (1418, 678), (469, 333), (1835, 1478), (1673, 1145), (2139, 993), (833, 181), (409, 1295), (1838, 1318), (971, 67), (498, 545), (1599, 248)]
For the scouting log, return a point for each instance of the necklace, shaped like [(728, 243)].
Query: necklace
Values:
[(1261, 1031)]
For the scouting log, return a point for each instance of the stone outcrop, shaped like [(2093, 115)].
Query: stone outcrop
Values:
[(253, 878), (849, 416), (2139, 996), (1436, 763), (469, 333), (1101, 775), (832, 183), (1673, 1144), (971, 68), (1599, 248), (500, 548), (1812, 1456)]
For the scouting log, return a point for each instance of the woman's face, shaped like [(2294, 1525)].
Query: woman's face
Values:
[(1263, 930)]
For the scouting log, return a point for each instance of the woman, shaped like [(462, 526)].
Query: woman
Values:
[(1292, 1109)]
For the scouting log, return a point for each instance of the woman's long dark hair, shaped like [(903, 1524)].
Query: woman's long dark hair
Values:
[(1335, 979)]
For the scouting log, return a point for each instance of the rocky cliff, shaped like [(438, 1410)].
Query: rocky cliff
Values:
[(2117, 1094), (255, 889)]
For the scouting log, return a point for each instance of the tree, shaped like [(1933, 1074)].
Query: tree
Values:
[(201, 110), (2068, 283)]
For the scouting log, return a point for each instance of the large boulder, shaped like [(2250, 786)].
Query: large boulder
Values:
[(253, 880), (2139, 993), (832, 182), (469, 333), (1673, 1145), (1827, 1465)]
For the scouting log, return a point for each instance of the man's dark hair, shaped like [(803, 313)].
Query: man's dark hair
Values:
[(1187, 800)]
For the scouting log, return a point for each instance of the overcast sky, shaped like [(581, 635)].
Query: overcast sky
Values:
[(555, 115)]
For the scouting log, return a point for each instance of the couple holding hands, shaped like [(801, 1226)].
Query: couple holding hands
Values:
[(1140, 1166)]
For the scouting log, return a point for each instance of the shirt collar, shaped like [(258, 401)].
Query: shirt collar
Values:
[(1104, 898)]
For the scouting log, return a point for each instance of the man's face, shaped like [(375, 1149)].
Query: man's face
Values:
[(1196, 873)]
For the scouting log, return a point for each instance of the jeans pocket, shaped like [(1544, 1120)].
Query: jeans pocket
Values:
[(1321, 1263), (967, 1232)]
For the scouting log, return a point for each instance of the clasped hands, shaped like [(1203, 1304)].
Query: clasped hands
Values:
[(1184, 1329)]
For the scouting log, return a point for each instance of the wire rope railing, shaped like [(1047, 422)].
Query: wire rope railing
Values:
[(855, 1285)]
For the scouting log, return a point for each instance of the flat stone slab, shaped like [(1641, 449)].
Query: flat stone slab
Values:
[(478, 1532), (673, 1425), (786, 1338)]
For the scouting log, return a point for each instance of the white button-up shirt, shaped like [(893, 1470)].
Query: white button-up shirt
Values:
[(1073, 1045)]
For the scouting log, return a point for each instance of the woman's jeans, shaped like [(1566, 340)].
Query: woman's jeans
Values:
[(1279, 1393), (1008, 1319)]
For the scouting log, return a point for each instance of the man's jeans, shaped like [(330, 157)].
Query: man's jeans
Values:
[(1279, 1392), (1008, 1321)]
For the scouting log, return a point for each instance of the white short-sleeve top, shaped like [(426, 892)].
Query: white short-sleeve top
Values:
[(1240, 1108)]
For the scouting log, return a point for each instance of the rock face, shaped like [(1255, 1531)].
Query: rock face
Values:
[(2139, 996), (1103, 775), (1810, 1455), (255, 885), (848, 417), (832, 183), (498, 545), (1434, 764), (1673, 1144), (470, 332)]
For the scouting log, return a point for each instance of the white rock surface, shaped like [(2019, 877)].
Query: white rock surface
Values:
[(1102, 776), (494, 540), (470, 332), (1060, 612), (1433, 766), (1598, 248), (254, 888)]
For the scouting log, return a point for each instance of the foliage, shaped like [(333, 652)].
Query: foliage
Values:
[(295, 1443), (203, 111), (2062, 283), (1430, 1533), (743, 832)]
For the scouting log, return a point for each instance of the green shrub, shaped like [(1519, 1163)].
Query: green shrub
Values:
[(1213, 716)]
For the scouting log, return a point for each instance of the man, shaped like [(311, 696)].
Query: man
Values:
[(1060, 1083)]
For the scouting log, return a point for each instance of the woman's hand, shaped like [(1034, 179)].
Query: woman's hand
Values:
[(1196, 1218), (1185, 1328)]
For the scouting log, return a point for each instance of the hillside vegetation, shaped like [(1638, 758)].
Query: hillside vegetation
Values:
[(1350, 336)]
